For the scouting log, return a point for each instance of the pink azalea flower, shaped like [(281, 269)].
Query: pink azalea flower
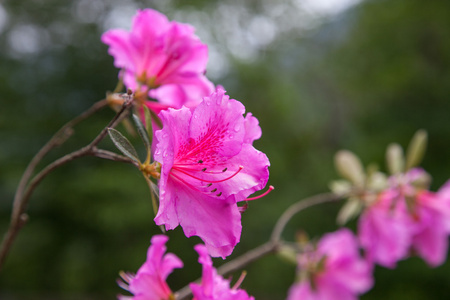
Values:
[(150, 280), (333, 271), (214, 286), (431, 215), (164, 57), (384, 229), (208, 165), (407, 217)]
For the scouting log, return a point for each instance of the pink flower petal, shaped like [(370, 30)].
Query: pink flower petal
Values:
[(343, 274), (430, 239), (214, 286), (206, 168), (157, 53), (384, 231), (150, 280), (252, 130)]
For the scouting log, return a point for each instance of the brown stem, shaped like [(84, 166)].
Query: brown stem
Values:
[(298, 207), (24, 191), (56, 140), (269, 247)]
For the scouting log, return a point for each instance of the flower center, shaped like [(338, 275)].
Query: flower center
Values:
[(207, 178)]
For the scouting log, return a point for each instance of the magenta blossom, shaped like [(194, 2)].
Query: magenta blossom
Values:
[(214, 286), (407, 217), (163, 57), (208, 165), (333, 271), (150, 280), (384, 229), (431, 217)]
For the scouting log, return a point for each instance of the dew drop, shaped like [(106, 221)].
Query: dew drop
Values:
[(231, 136), (237, 127), (165, 154)]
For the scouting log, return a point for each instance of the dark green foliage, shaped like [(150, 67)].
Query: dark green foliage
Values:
[(363, 79)]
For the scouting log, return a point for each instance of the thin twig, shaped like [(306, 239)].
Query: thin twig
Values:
[(298, 207), (18, 217), (247, 258), (56, 140), (269, 247), (105, 154)]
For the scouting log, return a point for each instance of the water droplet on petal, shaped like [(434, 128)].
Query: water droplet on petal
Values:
[(231, 136), (237, 127), (165, 153)]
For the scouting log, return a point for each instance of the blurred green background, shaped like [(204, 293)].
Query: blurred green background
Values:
[(319, 78)]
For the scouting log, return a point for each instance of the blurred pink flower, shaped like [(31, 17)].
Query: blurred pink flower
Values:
[(431, 217), (163, 57), (407, 217), (150, 280), (208, 165), (384, 229), (332, 271), (214, 286)]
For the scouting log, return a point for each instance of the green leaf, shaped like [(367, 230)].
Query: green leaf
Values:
[(122, 143), (377, 181), (395, 159), (142, 132), (350, 167), (156, 118), (148, 122), (148, 119), (288, 254), (154, 193), (341, 187), (350, 210), (416, 149)]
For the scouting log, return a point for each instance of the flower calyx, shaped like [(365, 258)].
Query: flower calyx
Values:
[(152, 170), (149, 81)]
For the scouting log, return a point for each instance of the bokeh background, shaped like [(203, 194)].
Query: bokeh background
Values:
[(320, 75)]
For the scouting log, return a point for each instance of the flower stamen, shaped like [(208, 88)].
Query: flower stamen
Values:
[(262, 195), (239, 281), (206, 180)]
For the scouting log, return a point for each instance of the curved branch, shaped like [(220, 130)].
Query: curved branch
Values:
[(269, 247), (18, 217), (56, 140), (298, 207)]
